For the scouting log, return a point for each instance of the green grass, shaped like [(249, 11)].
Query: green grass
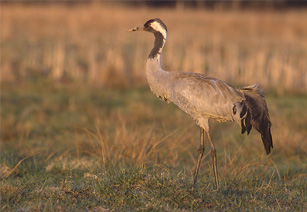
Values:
[(70, 146)]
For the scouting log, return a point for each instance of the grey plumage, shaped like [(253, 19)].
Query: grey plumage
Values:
[(206, 98)]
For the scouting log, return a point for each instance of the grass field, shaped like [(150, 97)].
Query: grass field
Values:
[(73, 138), (88, 148)]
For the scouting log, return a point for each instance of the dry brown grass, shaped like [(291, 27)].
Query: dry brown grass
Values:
[(90, 43), (66, 145)]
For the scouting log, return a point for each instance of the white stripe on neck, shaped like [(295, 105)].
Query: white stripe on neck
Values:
[(157, 26)]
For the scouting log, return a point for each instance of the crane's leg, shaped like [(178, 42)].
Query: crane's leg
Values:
[(200, 152), (213, 155)]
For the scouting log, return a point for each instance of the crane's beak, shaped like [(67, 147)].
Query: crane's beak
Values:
[(139, 28)]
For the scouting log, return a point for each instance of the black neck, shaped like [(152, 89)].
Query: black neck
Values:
[(159, 43)]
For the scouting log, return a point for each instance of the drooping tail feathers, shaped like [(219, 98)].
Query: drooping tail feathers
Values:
[(254, 112)]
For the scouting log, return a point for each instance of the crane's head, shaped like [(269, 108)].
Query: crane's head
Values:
[(154, 26)]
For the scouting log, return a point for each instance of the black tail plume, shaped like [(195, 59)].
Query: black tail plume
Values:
[(257, 115)]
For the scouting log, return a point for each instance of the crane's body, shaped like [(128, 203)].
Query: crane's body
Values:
[(200, 96), (205, 98)]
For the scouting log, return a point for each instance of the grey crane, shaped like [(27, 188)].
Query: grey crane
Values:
[(205, 98)]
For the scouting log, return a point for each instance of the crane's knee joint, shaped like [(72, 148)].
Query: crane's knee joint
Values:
[(201, 150), (213, 153)]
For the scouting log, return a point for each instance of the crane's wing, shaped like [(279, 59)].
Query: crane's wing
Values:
[(202, 96), (210, 98)]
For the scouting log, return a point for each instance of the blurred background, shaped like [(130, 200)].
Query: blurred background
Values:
[(241, 42)]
